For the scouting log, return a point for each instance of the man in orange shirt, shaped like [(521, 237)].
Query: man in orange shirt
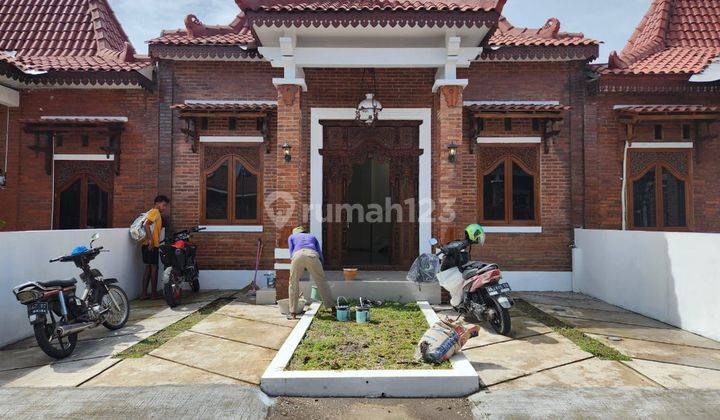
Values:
[(150, 254)]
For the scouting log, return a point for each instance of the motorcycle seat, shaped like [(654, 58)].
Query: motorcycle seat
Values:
[(57, 283)]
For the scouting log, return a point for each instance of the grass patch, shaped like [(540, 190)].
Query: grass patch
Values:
[(573, 334), (163, 336), (388, 342)]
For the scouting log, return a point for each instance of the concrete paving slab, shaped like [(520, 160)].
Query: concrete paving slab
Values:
[(230, 358), (569, 299), (511, 359), (188, 297), (668, 335), (591, 373), (521, 327), (33, 357), (669, 353), (594, 403), (70, 374), (265, 313), (247, 331), (238, 401), (151, 371), (629, 318), (676, 376)]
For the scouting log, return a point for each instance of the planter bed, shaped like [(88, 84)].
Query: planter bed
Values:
[(325, 358)]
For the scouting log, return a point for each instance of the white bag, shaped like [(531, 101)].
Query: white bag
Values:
[(452, 281), (137, 229)]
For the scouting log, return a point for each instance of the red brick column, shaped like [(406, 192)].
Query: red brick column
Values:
[(447, 193), (288, 205)]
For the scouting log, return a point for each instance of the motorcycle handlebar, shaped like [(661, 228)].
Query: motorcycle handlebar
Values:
[(69, 257)]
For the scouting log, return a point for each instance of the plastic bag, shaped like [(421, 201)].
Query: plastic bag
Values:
[(424, 269), (443, 340), (137, 229), (452, 281)]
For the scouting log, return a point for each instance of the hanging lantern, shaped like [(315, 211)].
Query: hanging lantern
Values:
[(368, 109)]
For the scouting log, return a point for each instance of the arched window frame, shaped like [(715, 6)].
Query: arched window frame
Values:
[(83, 176), (658, 165), (509, 159), (231, 158)]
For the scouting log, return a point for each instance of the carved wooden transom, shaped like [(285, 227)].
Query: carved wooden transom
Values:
[(488, 156), (250, 154), (678, 160), (101, 172)]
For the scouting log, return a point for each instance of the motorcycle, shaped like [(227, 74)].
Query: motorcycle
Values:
[(58, 315), (178, 255), (475, 287)]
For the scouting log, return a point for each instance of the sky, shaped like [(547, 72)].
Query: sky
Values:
[(610, 21)]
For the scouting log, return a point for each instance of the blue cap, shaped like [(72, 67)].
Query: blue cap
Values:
[(79, 250)]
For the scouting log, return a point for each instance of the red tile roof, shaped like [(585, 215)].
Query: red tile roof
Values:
[(547, 36), (674, 37), (67, 35), (529, 106), (369, 5), (226, 106), (667, 109)]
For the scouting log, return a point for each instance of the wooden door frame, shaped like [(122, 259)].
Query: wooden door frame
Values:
[(83, 176)]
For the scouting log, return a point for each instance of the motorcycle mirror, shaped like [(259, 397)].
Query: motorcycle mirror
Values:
[(433, 241), (94, 238)]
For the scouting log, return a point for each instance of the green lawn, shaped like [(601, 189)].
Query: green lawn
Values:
[(387, 343)]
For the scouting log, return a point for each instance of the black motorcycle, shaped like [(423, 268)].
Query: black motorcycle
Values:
[(58, 315), (477, 290), (178, 255)]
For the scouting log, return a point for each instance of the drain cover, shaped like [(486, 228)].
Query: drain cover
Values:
[(559, 309), (614, 338)]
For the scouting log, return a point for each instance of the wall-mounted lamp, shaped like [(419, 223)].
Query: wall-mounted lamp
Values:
[(3, 179), (286, 147), (452, 149)]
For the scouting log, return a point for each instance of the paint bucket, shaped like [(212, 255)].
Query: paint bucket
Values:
[(342, 310), (315, 294), (362, 312)]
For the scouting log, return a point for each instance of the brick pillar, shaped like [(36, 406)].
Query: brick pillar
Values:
[(448, 129), (288, 205)]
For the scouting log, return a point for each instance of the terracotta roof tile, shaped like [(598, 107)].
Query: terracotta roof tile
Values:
[(667, 109), (547, 36), (674, 37), (523, 106), (70, 35), (182, 37), (225, 106), (366, 5)]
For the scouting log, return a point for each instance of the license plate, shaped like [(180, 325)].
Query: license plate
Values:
[(497, 289), (38, 308)]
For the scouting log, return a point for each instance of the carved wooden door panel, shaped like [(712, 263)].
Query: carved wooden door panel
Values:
[(337, 172)]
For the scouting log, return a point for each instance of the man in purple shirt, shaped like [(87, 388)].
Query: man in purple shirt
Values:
[(305, 254)]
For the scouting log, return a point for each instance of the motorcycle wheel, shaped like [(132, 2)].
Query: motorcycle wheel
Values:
[(55, 347), (116, 317), (500, 322), (172, 288), (195, 284)]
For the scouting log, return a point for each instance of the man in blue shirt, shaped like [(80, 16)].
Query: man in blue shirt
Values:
[(305, 254)]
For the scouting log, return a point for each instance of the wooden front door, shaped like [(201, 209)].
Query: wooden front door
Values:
[(348, 147)]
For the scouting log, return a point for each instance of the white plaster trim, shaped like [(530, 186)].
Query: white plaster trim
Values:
[(459, 381), (281, 266), (471, 103), (84, 117), (233, 228), (228, 102), (231, 139), (449, 82), (508, 140), (662, 145), (9, 97), (512, 229), (425, 174), (282, 253), (278, 81), (81, 157)]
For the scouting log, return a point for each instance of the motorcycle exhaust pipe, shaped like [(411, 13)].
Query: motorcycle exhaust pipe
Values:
[(65, 330)]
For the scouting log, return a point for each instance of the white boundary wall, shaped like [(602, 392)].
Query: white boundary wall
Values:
[(670, 276), (24, 257)]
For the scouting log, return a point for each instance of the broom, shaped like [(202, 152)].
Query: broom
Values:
[(251, 289)]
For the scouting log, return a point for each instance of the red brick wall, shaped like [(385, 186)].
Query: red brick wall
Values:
[(31, 186), (9, 150), (605, 140)]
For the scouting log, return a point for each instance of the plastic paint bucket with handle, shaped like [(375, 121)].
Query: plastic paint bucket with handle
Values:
[(362, 312), (315, 294), (342, 310)]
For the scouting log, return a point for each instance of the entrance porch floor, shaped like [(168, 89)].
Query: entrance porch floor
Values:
[(534, 373)]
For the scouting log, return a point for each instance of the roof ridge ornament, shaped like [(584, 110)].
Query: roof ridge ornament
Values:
[(196, 28)]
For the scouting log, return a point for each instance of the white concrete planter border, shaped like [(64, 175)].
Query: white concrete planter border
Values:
[(460, 381)]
